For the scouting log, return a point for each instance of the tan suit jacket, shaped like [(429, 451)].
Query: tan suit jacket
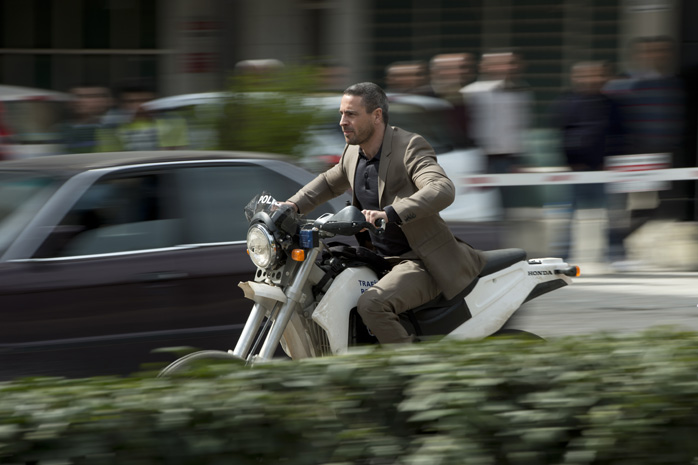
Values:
[(415, 185)]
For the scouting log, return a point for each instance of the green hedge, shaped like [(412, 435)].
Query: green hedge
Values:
[(586, 400)]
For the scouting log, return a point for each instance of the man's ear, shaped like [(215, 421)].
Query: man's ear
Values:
[(378, 115)]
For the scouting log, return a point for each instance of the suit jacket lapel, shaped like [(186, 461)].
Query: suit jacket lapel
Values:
[(385, 162), (351, 159)]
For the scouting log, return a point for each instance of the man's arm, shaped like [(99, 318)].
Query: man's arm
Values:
[(435, 190), (326, 186)]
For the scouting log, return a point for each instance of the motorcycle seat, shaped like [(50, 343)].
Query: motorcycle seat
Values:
[(496, 260), (501, 258), (440, 316)]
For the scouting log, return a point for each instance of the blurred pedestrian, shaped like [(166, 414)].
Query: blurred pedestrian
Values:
[(499, 109), (131, 94), (448, 74), (130, 126), (651, 98), (591, 128), (89, 105), (333, 76), (410, 77), (589, 121)]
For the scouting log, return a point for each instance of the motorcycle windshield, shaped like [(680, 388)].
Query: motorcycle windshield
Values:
[(264, 202)]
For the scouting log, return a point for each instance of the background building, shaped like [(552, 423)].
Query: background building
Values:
[(188, 46)]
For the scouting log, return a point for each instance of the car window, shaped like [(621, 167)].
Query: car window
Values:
[(215, 197), (118, 215), (178, 206), (21, 197)]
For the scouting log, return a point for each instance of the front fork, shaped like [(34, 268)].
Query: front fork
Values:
[(254, 321), (294, 294)]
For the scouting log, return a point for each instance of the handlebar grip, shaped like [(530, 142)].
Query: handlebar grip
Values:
[(379, 226)]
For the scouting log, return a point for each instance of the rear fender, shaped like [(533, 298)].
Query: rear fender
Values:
[(498, 296), (512, 285)]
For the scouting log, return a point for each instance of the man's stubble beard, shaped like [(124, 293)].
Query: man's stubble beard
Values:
[(359, 139)]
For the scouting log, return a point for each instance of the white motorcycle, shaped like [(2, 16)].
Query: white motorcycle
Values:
[(305, 289)]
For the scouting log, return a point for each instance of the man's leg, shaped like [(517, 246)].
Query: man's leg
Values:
[(407, 285)]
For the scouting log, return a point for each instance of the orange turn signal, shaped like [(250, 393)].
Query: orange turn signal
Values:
[(298, 255), (572, 271)]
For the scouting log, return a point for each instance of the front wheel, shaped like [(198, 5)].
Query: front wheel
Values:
[(198, 361), (517, 334)]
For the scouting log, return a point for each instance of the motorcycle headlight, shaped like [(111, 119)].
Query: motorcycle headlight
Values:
[(261, 246)]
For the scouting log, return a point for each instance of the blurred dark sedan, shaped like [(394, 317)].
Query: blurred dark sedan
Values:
[(105, 257)]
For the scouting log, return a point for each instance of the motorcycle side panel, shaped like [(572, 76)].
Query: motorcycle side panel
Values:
[(332, 312), (496, 297)]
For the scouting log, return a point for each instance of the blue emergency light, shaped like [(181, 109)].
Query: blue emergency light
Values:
[(309, 238)]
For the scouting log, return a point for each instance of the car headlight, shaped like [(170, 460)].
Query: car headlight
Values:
[(261, 247)]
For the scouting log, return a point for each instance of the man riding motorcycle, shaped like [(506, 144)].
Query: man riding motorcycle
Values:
[(394, 176)]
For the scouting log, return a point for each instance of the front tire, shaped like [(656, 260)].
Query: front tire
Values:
[(198, 361), (518, 334)]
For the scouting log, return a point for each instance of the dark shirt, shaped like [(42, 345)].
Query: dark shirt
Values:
[(591, 127), (653, 112), (393, 242), (81, 137)]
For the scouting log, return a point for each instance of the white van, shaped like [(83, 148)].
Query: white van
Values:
[(30, 121)]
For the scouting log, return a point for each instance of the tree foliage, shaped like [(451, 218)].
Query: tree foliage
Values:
[(268, 112)]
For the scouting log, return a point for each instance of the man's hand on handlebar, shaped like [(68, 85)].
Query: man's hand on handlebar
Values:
[(290, 204), (372, 216)]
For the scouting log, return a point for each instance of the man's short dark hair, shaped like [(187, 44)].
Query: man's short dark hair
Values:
[(372, 95)]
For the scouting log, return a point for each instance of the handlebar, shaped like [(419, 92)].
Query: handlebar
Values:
[(348, 228), (379, 226), (347, 222)]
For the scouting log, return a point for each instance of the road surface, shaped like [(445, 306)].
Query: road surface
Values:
[(614, 303)]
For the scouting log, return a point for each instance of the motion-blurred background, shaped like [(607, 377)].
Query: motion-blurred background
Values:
[(192, 68)]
